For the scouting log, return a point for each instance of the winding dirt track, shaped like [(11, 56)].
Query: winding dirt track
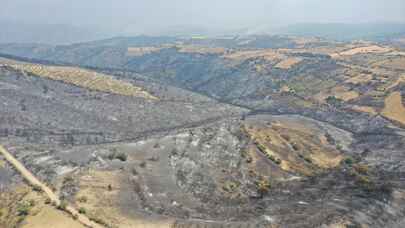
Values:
[(35, 182)]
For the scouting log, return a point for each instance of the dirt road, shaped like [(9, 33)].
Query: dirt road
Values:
[(35, 182)]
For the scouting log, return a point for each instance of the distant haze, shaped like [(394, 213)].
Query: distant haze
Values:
[(145, 16), (131, 17)]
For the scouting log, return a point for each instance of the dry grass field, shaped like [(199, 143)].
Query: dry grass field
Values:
[(25, 208), (394, 108), (340, 92), (397, 63), (294, 147), (268, 54), (366, 109), (102, 202), (49, 216), (360, 79), (362, 50), (201, 49), (288, 63), (84, 78)]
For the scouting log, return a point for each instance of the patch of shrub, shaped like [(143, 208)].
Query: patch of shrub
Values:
[(23, 208), (269, 156), (274, 159), (330, 138), (306, 158), (48, 201), (334, 101), (365, 183), (62, 206), (348, 161), (362, 169), (296, 147), (99, 221), (263, 186), (261, 148), (82, 199), (82, 210), (32, 202), (230, 186), (37, 188), (118, 155), (122, 156)]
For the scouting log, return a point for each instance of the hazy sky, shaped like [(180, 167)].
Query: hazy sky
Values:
[(152, 15)]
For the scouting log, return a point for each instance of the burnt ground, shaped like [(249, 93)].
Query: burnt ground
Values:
[(188, 157)]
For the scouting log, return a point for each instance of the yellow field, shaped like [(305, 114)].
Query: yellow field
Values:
[(362, 50), (50, 217), (103, 203), (360, 79), (394, 108), (400, 80), (288, 63), (201, 50), (397, 63), (365, 109), (84, 78), (292, 152), (268, 54), (340, 92)]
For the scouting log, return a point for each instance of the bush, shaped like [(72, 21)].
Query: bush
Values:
[(362, 169), (120, 156), (349, 161), (334, 101), (32, 202), (82, 199), (263, 186), (82, 210), (99, 221), (62, 205), (48, 201), (307, 159), (230, 186), (365, 183), (274, 159), (37, 188), (23, 208), (296, 147)]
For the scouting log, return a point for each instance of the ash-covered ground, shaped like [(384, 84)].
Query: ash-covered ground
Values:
[(288, 135)]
